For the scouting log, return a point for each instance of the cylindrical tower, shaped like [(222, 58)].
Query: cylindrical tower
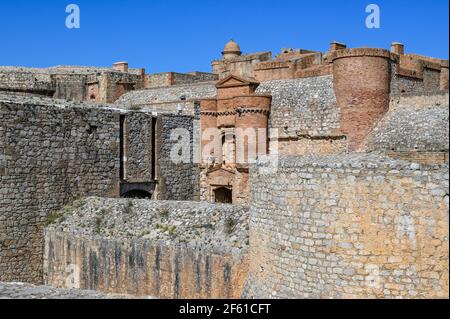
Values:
[(208, 120), (362, 87), (252, 116)]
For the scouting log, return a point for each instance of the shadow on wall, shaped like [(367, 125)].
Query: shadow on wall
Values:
[(142, 268)]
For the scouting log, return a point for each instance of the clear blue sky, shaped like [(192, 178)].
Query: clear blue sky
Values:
[(185, 35)]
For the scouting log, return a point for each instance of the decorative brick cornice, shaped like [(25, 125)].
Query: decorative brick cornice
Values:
[(242, 110), (238, 111), (362, 52)]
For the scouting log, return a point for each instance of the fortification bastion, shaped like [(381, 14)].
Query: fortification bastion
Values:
[(349, 226)]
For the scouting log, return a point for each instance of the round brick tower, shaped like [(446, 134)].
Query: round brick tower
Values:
[(208, 120), (252, 116), (362, 87)]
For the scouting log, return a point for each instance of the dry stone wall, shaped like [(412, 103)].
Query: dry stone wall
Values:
[(349, 226)]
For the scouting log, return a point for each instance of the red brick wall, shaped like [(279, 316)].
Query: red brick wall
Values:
[(93, 93), (361, 84), (228, 92)]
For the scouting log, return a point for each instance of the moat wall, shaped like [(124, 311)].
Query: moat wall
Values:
[(142, 268), (349, 226), (162, 249)]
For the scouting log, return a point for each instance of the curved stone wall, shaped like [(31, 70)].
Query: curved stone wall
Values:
[(349, 226)]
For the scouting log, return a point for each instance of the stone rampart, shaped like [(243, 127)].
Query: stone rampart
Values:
[(349, 226), (141, 247)]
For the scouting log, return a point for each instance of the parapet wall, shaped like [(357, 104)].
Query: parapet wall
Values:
[(27, 82), (147, 248), (71, 83), (172, 99), (349, 226), (158, 80)]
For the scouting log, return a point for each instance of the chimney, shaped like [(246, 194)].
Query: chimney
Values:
[(121, 67), (398, 48), (335, 46)]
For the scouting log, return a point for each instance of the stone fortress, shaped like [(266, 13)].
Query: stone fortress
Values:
[(357, 207)]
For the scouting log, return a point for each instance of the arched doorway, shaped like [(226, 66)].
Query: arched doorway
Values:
[(223, 195)]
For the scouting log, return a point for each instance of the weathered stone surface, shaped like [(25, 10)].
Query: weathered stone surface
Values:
[(305, 106), (178, 174), (349, 226), (52, 151), (171, 99), (141, 247), (71, 82), (358, 225), (414, 123)]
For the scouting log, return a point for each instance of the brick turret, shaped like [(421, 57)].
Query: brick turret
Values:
[(362, 87)]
